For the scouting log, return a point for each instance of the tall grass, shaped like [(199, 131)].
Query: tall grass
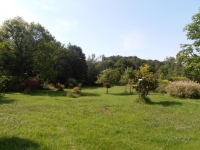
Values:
[(97, 121)]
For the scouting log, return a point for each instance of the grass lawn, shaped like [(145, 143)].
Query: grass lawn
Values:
[(98, 121)]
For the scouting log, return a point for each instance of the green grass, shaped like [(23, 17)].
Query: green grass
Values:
[(97, 121)]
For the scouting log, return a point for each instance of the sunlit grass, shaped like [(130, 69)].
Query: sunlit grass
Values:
[(50, 120)]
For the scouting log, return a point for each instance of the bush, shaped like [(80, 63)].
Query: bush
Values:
[(30, 84), (71, 82), (77, 90), (183, 89), (145, 85), (162, 86), (107, 84), (48, 86), (10, 83), (60, 87), (74, 93), (178, 79)]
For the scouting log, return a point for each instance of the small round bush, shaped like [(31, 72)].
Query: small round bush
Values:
[(30, 84)]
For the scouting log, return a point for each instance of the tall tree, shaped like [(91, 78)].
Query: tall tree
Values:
[(26, 49), (190, 53), (92, 69), (79, 64)]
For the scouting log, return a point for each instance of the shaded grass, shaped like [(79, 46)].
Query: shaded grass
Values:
[(15, 143), (99, 121)]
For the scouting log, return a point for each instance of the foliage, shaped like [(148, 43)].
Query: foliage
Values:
[(93, 70), (178, 79), (171, 68), (108, 77), (74, 93), (184, 89), (71, 82), (128, 75), (79, 65), (27, 49), (162, 86), (60, 87), (128, 78), (107, 85), (189, 55), (146, 84), (10, 83), (145, 70), (30, 84), (77, 90), (48, 86)]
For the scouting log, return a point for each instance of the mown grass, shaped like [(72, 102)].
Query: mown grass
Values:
[(97, 121)]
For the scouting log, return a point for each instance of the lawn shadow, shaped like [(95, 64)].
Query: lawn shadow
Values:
[(121, 94), (89, 94), (16, 143), (46, 93), (91, 87), (5, 100), (166, 103)]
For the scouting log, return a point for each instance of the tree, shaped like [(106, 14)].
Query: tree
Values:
[(92, 69), (108, 77), (128, 77), (26, 49), (146, 82), (145, 85), (79, 64), (189, 55), (171, 68), (63, 65)]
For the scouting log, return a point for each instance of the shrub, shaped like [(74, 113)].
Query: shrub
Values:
[(30, 84), (162, 86), (79, 85), (10, 83), (161, 89), (60, 87), (71, 82), (48, 86), (77, 90), (72, 94), (107, 84), (145, 85), (183, 89), (178, 79)]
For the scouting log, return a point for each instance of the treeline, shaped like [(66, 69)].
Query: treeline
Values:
[(28, 50)]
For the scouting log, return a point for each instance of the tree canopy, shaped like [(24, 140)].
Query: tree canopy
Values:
[(190, 53)]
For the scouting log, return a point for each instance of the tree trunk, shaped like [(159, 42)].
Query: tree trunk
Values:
[(106, 90)]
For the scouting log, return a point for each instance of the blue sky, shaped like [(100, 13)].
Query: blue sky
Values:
[(148, 29)]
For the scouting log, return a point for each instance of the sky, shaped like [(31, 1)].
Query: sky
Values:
[(148, 29)]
